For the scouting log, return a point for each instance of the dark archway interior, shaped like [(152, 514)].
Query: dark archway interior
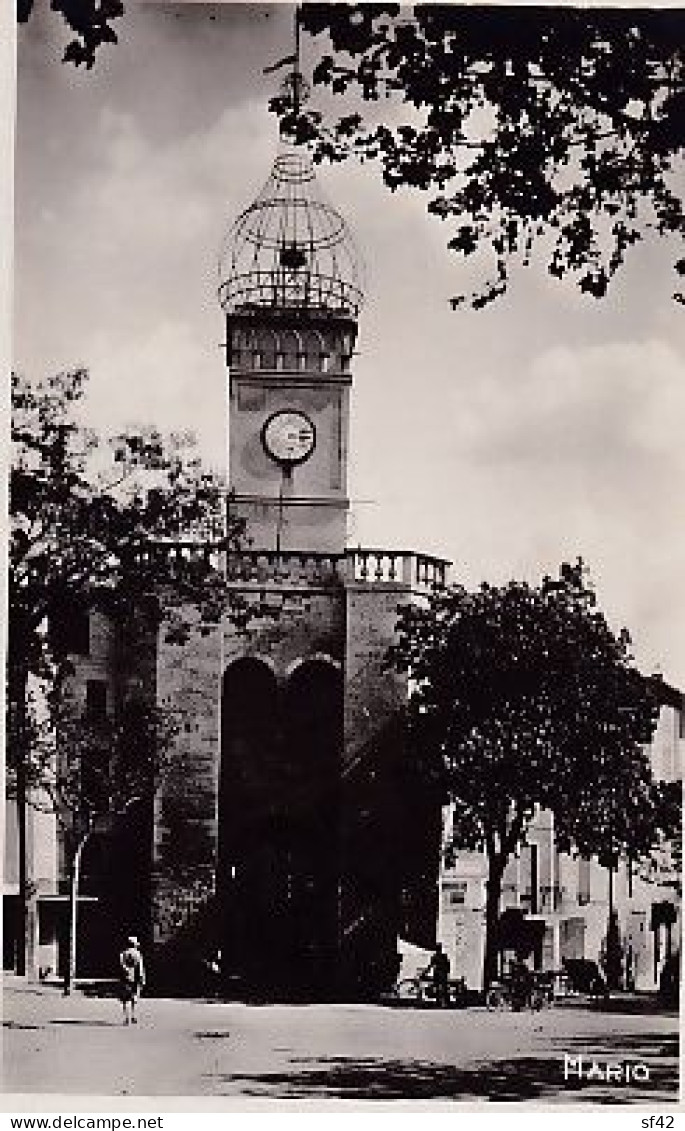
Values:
[(278, 829)]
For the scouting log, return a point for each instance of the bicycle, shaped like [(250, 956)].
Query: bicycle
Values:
[(508, 994), (500, 995), (421, 989)]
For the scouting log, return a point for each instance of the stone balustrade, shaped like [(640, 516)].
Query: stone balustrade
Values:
[(398, 568), (287, 566), (403, 567)]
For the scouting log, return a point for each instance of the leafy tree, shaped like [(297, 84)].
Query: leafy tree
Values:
[(89, 771), (133, 523), (664, 866), (524, 697), (92, 767), (559, 129), (89, 20)]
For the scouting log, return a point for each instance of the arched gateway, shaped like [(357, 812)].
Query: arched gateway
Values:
[(278, 860)]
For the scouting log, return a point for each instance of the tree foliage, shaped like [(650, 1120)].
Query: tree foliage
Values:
[(556, 129), (114, 520), (88, 771), (132, 523), (90, 21), (524, 698)]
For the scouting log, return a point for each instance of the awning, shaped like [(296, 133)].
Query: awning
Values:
[(414, 958)]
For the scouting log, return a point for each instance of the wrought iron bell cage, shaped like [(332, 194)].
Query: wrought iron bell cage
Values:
[(291, 250)]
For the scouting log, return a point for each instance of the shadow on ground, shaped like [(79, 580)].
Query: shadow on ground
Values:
[(636, 1046), (642, 1005), (518, 1079)]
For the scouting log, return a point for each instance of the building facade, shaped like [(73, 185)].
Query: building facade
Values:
[(570, 897)]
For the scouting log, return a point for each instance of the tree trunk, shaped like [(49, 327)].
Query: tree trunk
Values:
[(70, 976), (493, 892), (614, 960)]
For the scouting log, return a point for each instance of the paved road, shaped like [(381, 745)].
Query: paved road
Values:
[(78, 1045)]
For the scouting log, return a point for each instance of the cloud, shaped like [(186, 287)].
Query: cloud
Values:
[(178, 383), (165, 191), (597, 406)]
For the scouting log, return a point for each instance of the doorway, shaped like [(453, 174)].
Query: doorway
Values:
[(278, 867)]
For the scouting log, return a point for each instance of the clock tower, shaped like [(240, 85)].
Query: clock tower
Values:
[(289, 284)]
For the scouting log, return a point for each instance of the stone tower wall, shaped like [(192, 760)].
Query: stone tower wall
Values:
[(307, 622), (185, 832), (373, 693)]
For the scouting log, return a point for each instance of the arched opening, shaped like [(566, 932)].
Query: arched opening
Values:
[(290, 350), (267, 345), (314, 350), (249, 735), (278, 846), (312, 739)]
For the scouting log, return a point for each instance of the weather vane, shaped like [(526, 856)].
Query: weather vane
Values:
[(294, 86)]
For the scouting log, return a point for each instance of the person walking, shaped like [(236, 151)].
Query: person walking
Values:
[(522, 982), (131, 978)]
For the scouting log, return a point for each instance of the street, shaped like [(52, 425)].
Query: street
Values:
[(77, 1045)]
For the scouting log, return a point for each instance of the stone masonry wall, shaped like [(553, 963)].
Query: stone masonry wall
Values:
[(370, 883), (185, 834), (307, 621), (372, 693)]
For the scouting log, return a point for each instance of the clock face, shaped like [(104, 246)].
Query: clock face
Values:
[(289, 437)]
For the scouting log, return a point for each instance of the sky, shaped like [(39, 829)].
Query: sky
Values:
[(546, 427)]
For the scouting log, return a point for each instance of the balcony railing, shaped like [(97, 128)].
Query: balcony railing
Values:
[(285, 566), (416, 571), (391, 568), (401, 569)]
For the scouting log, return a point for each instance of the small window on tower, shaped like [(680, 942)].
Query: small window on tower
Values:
[(268, 352), (289, 346), (458, 894)]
